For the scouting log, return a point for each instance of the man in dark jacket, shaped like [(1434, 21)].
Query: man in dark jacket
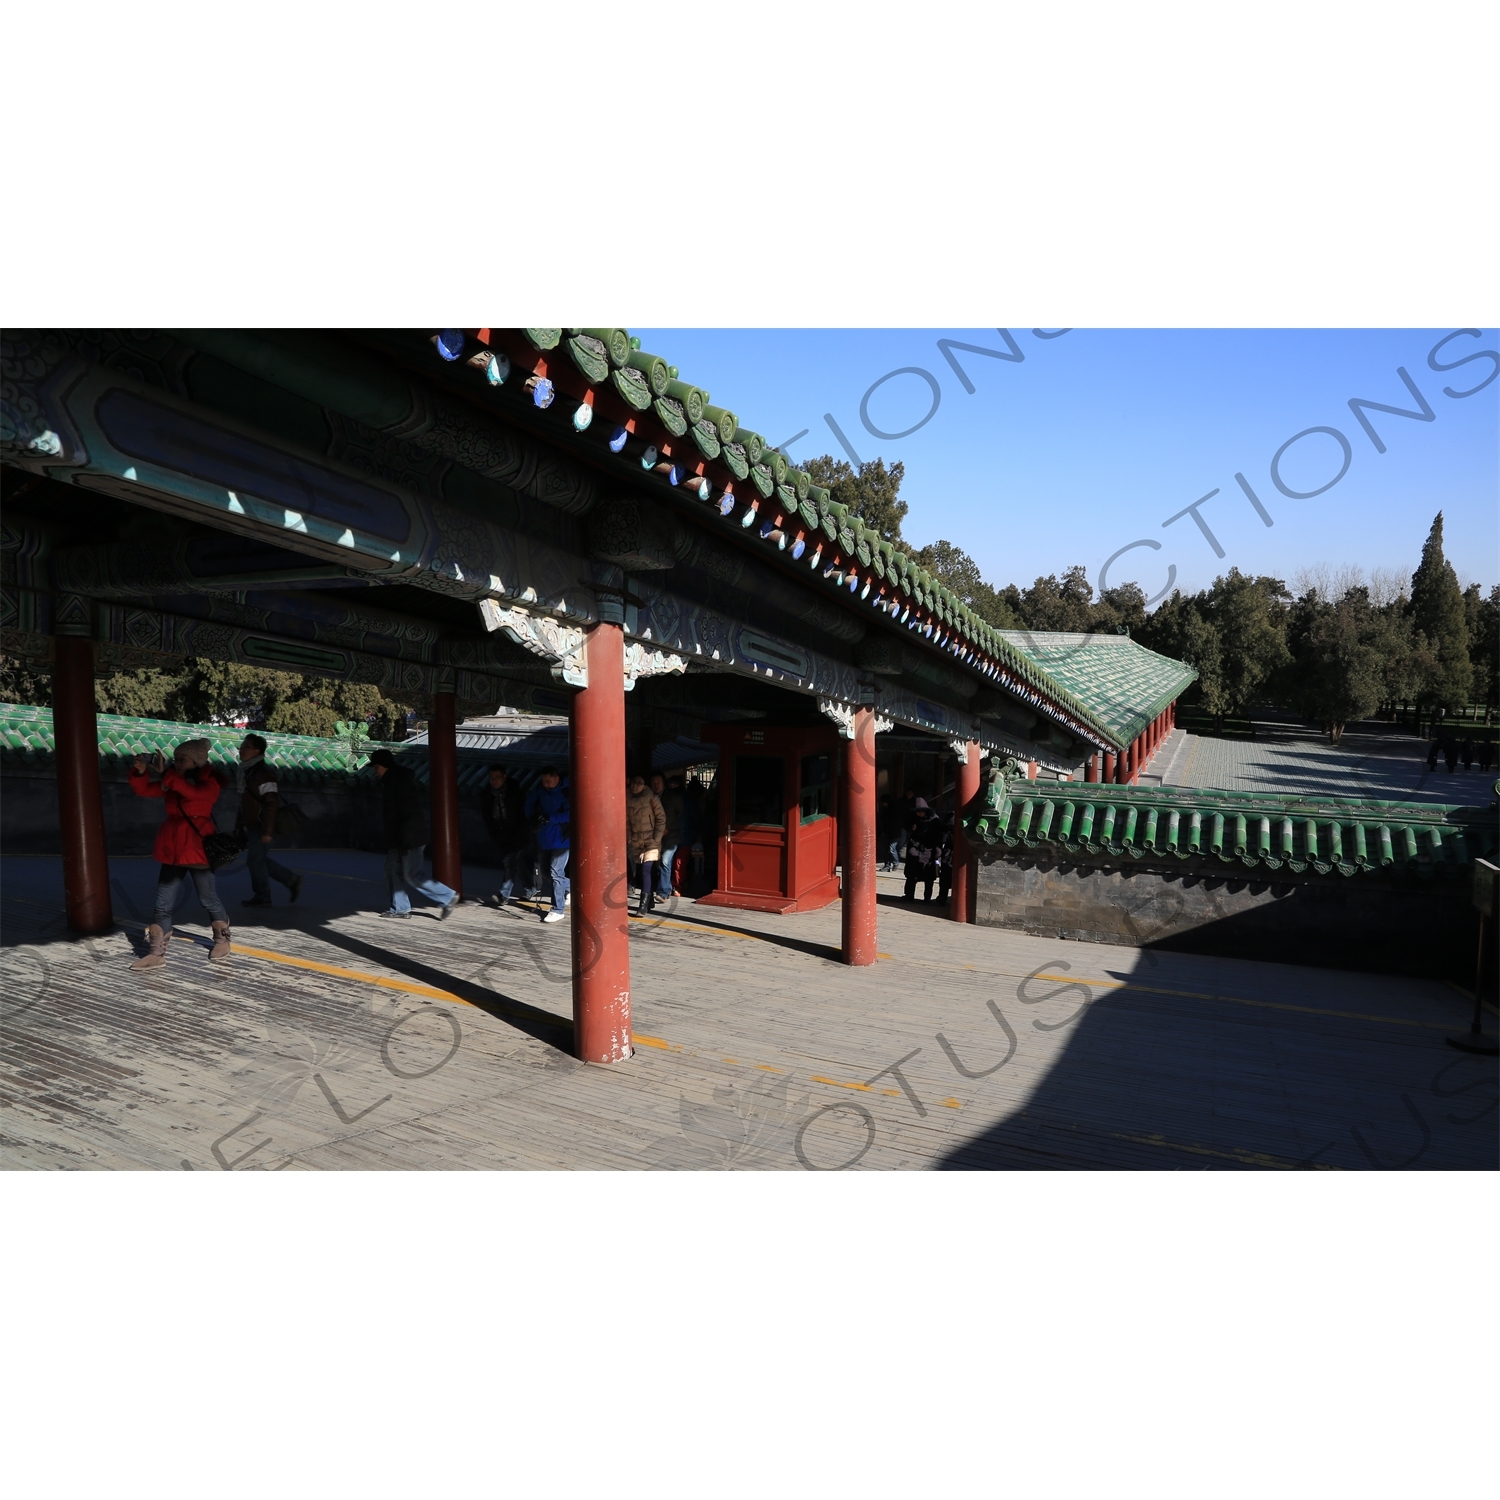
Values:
[(550, 815), (260, 803), (405, 834), (945, 858), (505, 817), (922, 851)]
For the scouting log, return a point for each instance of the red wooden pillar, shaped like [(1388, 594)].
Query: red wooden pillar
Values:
[(1109, 765), (596, 865), (1122, 766), (80, 803), (965, 876), (442, 772), (859, 841), (1091, 768)]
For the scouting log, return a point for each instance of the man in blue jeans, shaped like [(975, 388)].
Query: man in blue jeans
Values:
[(551, 815), (405, 834)]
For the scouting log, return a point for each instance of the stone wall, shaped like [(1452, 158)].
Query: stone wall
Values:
[(1382, 923)]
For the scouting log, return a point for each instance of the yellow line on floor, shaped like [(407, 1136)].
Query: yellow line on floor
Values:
[(1250, 1158), (408, 986), (1306, 1010), (411, 987), (864, 1088)]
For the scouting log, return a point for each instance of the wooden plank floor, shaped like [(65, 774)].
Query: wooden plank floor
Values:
[(337, 1040)]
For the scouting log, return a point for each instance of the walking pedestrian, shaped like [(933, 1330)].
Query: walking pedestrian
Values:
[(1486, 754), (906, 817), (405, 835), (645, 823), (190, 788), (260, 804), (1450, 752), (1466, 752), (669, 794), (505, 817), (550, 815), (922, 851), (1432, 754), (887, 829), (945, 858)]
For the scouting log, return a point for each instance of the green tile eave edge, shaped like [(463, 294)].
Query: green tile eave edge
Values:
[(969, 627), (1464, 832)]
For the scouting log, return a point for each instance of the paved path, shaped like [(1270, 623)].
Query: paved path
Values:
[(1372, 761), (335, 1039)]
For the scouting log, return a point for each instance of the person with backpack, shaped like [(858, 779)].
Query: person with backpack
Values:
[(405, 836), (255, 823), (504, 813), (190, 787), (550, 815)]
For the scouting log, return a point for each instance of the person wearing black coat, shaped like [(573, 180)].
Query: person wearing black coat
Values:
[(504, 810), (405, 834), (945, 858), (923, 846)]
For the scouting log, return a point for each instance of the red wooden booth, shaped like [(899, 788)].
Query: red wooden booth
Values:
[(778, 824)]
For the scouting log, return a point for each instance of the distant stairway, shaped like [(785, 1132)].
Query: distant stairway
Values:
[(1171, 756)]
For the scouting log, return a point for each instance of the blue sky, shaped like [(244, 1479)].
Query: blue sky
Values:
[(1093, 439)]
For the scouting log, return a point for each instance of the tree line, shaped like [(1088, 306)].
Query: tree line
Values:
[(204, 691), (1336, 650)]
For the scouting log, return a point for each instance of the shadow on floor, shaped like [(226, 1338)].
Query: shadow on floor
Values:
[(1149, 1081), (933, 908), (544, 1026), (780, 939)]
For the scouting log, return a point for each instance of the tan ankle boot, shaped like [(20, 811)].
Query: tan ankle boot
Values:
[(156, 955), (221, 941)]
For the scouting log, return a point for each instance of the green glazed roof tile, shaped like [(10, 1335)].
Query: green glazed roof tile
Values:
[(1269, 831), (1122, 682)]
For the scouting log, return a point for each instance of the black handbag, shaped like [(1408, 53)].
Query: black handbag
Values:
[(220, 849)]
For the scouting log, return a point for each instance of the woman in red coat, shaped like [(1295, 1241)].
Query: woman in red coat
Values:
[(190, 789)]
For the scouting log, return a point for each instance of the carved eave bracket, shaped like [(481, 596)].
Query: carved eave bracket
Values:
[(560, 645), (843, 714), (649, 661)]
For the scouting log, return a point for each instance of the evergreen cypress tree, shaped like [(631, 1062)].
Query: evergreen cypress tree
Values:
[(1438, 613)]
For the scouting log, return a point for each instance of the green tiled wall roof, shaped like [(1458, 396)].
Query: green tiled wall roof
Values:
[(26, 736), (1263, 831), (300, 759)]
